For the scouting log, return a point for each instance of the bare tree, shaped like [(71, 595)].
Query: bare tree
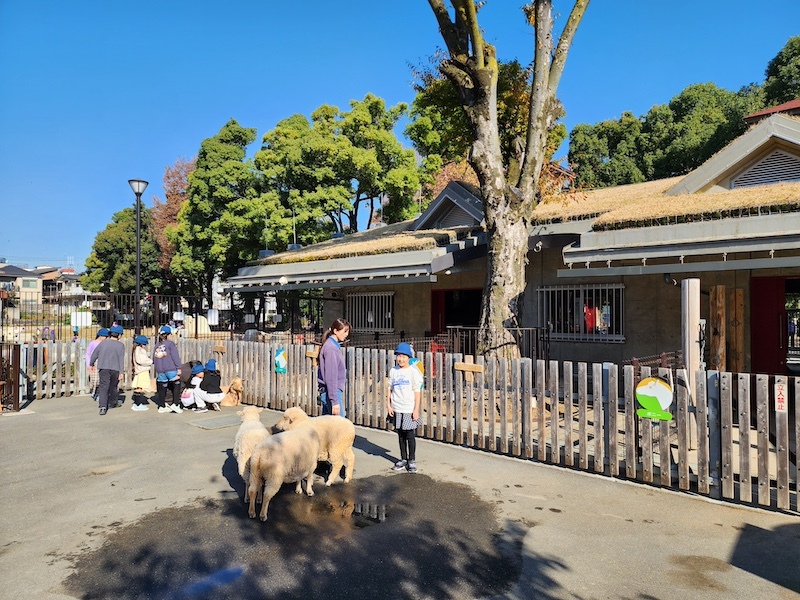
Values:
[(510, 191)]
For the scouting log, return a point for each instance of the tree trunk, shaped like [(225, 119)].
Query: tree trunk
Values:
[(505, 285), (507, 203)]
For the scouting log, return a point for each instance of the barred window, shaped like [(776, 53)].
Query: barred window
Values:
[(371, 312), (590, 313)]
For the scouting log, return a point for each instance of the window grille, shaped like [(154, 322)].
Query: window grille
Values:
[(589, 313), (371, 312)]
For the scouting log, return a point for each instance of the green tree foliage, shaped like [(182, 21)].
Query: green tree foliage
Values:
[(220, 222), (111, 265), (669, 140), (675, 138), (608, 153), (783, 74), (332, 167), (442, 133)]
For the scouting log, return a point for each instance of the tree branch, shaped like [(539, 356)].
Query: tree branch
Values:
[(565, 41), (456, 44), (470, 16)]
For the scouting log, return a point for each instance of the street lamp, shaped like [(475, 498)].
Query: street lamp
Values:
[(138, 186)]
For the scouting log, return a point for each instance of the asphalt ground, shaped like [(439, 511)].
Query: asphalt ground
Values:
[(148, 505)]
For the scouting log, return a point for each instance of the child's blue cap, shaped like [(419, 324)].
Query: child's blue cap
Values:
[(211, 365), (404, 348), (197, 369)]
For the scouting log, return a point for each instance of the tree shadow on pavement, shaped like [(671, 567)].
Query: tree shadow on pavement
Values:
[(402, 536)]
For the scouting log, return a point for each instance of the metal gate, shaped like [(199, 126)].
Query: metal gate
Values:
[(9, 376)]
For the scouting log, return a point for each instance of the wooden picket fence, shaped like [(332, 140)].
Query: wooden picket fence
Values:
[(730, 440)]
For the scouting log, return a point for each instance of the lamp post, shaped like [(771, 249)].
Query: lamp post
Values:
[(138, 186)]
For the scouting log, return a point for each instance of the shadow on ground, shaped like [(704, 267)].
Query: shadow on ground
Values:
[(394, 536)]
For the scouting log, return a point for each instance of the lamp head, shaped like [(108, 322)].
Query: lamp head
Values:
[(138, 186)]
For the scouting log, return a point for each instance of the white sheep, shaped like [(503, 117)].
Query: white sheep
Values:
[(251, 433), (289, 456), (336, 437)]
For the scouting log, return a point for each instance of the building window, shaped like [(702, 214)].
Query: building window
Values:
[(29, 283), (371, 312), (589, 313)]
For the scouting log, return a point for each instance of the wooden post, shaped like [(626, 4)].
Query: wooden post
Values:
[(690, 335), (468, 359), (716, 329), (735, 333)]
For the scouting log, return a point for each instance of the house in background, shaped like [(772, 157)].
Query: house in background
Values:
[(20, 288), (58, 282), (604, 266)]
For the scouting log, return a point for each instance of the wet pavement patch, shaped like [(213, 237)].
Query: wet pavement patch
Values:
[(381, 537)]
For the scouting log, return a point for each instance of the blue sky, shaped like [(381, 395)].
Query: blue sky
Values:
[(96, 93)]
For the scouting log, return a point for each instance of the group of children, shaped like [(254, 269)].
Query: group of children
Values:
[(198, 389), (176, 389)]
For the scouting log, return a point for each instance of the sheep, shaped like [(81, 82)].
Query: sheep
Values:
[(336, 435), (251, 433), (282, 458)]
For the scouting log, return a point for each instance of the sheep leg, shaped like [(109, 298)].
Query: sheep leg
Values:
[(254, 487), (310, 483), (271, 488), (246, 477), (336, 467), (349, 464)]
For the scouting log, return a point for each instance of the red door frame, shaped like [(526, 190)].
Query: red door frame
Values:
[(767, 325), (437, 312)]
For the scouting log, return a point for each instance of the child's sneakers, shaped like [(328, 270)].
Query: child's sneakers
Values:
[(412, 467), (175, 408), (164, 409), (199, 410), (400, 465)]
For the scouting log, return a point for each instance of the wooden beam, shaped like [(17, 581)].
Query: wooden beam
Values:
[(716, 330)]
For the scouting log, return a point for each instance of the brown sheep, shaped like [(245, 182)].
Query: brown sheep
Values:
[(336, 436), (282, 458), (233, 395)]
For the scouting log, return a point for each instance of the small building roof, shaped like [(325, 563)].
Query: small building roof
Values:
[(15, 272), (791, 107)]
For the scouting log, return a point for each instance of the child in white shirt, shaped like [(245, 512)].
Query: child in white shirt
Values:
[(188, 395), (403, 405)]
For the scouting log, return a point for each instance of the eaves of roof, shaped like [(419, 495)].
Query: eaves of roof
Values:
[(768, 241)]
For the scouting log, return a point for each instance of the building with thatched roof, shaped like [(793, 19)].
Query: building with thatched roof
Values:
[(604, 266)]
